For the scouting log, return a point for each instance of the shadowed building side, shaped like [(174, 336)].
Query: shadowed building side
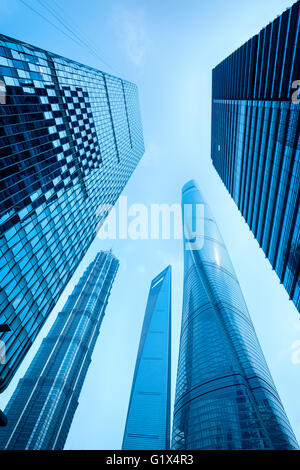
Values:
[(255, 145)]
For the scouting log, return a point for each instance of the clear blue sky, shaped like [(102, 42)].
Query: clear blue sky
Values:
[(167, 47)]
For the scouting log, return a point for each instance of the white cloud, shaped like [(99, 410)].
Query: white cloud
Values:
[(152, 155), (295, 357), (131, 30), (296, 324), (141, 269)]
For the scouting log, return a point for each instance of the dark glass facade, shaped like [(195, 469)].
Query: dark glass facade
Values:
[(3, 419), (148, 419), (41, 410), (256, 140), (70, 138), (225, 396)]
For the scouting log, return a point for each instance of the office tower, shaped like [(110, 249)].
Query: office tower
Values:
[(70, 138), (41, 410), (256, 140), (225, 396), (148, 419)]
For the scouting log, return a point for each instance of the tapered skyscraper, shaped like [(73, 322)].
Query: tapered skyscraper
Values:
[(148, 418), (225, 396), (70, 138), (42, 408), (255, 144)]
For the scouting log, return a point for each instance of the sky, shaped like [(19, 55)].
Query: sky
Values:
[(168, 48)]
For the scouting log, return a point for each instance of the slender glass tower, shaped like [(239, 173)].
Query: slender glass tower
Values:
[(225, 396), (42, 408), (255, 144), (148, 419), (70, 138)]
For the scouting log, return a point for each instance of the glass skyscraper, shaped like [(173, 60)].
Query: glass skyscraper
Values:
[(41, 410), (256, 140), (148, 419), (225, 396), (70, 138)]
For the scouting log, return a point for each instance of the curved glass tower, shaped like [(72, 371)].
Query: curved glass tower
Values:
[(225, 396)]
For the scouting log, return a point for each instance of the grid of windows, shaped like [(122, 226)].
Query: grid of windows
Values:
[(148, 419), (42, 407), (256, 140), (70, 138), (225, 396)]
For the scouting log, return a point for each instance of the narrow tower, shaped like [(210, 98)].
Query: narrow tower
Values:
[(148, 418), (42, 408), (225, 396)]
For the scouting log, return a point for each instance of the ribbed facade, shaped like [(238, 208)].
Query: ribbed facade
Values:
[(41, 410), (148, 419), (225, 396), (256, 140), (70, 138)]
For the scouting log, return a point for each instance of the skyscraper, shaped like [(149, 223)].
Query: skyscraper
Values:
[(41, 410), (225, 396), (255, 144), (70, 138), (148, 419)]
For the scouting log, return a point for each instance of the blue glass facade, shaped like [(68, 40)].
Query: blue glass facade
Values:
[(148, 419), (256, 140), (70, 138), (41, 410), (225, 396)]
